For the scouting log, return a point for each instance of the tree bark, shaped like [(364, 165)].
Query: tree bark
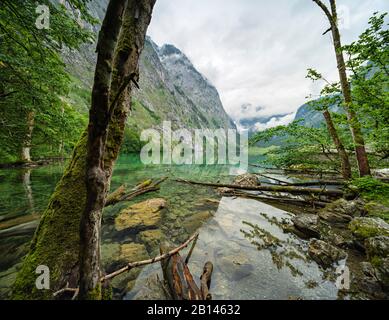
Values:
[(103, 103), (355, 126), (56, 241), (345, 162), (286, 189), (25, 154)]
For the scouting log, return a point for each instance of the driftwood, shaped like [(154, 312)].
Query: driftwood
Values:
[(132, 265), (206, 281), (180, 280), (284, 199), (121, 194), (304, 183), (23, 229), (311, 171), (284, 189), (161, 257)]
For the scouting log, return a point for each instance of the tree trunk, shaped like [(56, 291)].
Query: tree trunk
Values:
[(25, 154), (57, 239), (355, 126), (104, 98), (345, 162), (96, 180)]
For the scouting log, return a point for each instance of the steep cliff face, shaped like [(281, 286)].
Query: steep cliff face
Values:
[(171, 89)]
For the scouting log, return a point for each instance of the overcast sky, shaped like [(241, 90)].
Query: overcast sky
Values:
[(257, 51)]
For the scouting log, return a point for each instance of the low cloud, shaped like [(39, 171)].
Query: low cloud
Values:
[(257, 52)]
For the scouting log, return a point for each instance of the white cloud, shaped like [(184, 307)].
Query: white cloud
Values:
[(274, 122), (258, 51)]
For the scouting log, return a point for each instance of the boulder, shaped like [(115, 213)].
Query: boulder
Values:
[(379, 210), (381, 173), (246, 180), (377, 247), (382, 273), (307, 224), (151, 239), (324, 253), (195, 221), (129, 252), (366, 227), (235, 266), (141, 216), (342, 211)]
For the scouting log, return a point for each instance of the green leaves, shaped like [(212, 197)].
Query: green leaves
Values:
[(31, 67)]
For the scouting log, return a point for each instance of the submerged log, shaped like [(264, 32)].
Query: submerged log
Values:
[(285, 189), (180, 280)]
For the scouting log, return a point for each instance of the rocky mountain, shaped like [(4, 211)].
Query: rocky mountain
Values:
[(312, 118), (170, 87)]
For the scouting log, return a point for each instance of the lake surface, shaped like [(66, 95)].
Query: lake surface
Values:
[(252, 257)]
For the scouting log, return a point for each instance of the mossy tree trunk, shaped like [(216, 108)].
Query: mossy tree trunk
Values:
[(56, 241), (354, 124)]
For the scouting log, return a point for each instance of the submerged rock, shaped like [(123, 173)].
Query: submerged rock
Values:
[(235, 266), (129, 252), (307, 224), (324, 253), (151, 239), (364, 227), (192, 223), (342, 211), (247, 180), (140, 216), (153, 289)]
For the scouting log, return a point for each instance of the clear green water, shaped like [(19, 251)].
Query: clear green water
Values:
[(246, 267)]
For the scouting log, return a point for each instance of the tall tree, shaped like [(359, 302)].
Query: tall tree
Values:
[(33, 77), (57, 239), (355, 127), (330, 97)]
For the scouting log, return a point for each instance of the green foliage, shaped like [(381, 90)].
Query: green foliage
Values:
[(369, 66), (33, 78), (371, 189), (302, 147)]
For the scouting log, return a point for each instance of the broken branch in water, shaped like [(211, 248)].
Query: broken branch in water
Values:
[(305, 202), (133, 265), (161, 257), (120, 193), (285, 189)]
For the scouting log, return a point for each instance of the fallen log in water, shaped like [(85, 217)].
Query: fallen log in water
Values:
[(120, 194), (284, 189), (23, 229), (284, 199)]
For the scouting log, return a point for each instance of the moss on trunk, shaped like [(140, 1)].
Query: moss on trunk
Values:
[(56, 241)]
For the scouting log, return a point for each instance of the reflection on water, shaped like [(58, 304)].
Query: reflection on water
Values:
[(253, 258)]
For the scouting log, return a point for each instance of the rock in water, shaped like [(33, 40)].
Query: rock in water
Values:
[(364, 228), (324, 253), (307, 224), (141, 216), (246, 180), (342, 211)]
